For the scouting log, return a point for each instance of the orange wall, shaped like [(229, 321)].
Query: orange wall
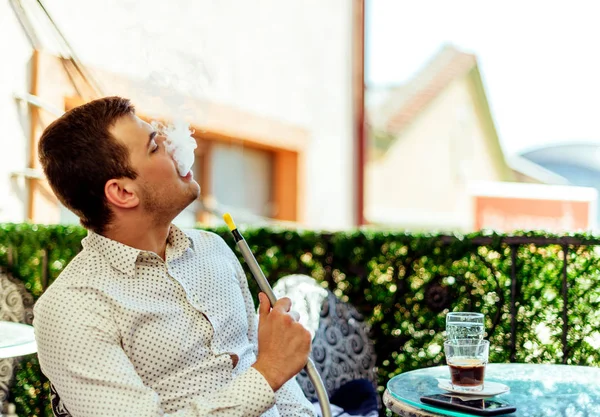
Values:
[(509, 214)]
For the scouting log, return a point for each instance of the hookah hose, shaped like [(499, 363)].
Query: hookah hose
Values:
[(262, 282)]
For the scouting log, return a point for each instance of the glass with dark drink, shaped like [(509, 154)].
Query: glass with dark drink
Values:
[(466, 359)]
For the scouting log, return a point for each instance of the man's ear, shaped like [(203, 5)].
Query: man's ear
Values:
[(121, 193)]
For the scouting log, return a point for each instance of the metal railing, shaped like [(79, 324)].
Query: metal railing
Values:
[(567, 243)]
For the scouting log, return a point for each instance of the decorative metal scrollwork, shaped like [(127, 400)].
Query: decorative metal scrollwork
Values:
[(16, 305)]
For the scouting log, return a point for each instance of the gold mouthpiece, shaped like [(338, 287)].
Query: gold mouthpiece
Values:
[(229, 221)]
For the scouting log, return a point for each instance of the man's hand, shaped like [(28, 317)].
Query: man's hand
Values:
[(283, 343)]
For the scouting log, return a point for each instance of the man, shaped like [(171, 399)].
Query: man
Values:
[(148, 320)]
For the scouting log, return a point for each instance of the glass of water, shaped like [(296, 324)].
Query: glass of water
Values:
[(463, 325)]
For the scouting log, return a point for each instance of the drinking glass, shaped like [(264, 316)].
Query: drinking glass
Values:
[(464, 325), (467, 359)]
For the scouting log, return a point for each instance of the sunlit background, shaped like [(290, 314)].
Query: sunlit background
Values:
[(416, 121), (474, 115)]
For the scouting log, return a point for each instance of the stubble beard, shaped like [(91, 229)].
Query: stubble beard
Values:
[(163, 208)]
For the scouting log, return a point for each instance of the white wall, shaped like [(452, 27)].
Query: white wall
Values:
[(288, 60), (15, 54)]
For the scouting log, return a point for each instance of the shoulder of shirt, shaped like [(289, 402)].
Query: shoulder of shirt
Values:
[(203, 237), (201, 234), (81, 271)]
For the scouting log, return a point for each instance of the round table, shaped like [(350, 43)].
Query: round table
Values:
[(536, 390), (16, 339)]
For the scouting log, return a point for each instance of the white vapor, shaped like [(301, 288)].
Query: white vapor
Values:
[(179, 144)]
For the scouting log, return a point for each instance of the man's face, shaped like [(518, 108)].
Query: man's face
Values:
[(163, 193)]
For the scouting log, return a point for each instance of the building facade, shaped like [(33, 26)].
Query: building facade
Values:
[(268, 86)]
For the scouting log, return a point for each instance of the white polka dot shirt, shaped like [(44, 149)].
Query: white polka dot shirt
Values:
[(123, 333)]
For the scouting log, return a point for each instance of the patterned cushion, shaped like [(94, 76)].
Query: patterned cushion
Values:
[(342, 350)]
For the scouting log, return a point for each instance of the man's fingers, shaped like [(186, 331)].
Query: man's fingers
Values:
[(283, 305), (264, 307)]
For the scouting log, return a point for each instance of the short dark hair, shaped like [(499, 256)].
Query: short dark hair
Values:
[(79, 155)]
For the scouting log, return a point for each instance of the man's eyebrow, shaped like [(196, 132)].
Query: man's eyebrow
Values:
[(151, 138)]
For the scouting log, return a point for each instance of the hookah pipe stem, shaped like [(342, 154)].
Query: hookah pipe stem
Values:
[(265, 287)]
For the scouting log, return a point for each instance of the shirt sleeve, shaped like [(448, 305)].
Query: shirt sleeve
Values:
[(80, 352), (290, 399)]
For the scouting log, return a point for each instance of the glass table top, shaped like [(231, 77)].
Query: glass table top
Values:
[(16, 339), (536, 390)]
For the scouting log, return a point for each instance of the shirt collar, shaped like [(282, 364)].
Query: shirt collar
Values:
[(177, 243), (123, 257)]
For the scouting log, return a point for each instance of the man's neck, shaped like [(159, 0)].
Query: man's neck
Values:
[(141, 235)]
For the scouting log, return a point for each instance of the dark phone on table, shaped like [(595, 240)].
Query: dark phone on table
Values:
[(483, 407)]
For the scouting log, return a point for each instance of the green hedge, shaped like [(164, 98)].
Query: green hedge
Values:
[(403, 283)]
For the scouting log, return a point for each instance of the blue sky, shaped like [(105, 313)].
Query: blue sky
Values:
[(540, 61)]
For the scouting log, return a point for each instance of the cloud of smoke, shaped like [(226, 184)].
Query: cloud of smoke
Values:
[(179, 144)]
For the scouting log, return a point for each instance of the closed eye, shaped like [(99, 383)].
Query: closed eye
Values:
[(152, 141)]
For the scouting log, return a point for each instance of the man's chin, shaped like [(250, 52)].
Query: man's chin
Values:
[(194, 192), (195, 188)]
